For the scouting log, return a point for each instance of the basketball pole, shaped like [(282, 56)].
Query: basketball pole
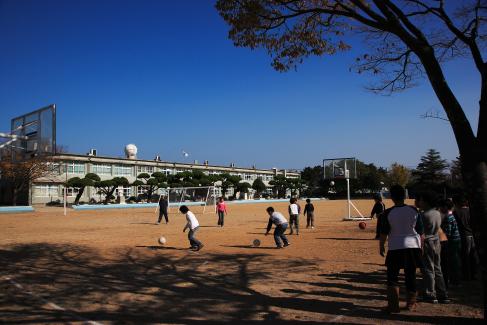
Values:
[(348, 199)]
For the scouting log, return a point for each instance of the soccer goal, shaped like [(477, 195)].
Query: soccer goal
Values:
[(200, 199)]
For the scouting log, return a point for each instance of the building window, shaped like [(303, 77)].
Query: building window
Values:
[(71, 191), (75, 168), (145, 169), (101, 169), (121, 170), (248, 177), (165, 171), (140, 190), (46, 190), (127, 191)]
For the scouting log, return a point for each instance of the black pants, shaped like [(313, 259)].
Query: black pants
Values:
[(294, 221), (163, 213), (409, 275), (407, 259), (377, 228), (221, 216), (310, 219)]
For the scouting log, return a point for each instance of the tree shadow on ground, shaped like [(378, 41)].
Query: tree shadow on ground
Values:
[(149, 286)]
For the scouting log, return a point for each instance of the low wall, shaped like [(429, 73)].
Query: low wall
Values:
[(13, 209)]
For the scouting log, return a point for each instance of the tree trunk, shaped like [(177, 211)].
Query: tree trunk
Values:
[(109, 194), (78, 196), (475, 178), (14, 195)]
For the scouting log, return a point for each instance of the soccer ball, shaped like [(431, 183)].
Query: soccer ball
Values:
[(362, 225), (162, 240), (256, 243)]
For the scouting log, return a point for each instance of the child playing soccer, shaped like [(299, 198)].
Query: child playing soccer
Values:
[(294, 210), (193, 226), (221, 210), (277, 219), (309, 209), (163, 204), (377, 210)]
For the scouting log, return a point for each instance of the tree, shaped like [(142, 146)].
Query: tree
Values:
[(296, 185), (81, 183), (431, 170), (108, 187), (258, 186), (151, 183), (229, 181), (399, 174), (21, 174), (369, 178), (313, 180), (408, 39), (456, 174), (242, 187), (279, 186)]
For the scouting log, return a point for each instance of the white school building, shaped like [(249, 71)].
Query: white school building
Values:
[(50, 189)]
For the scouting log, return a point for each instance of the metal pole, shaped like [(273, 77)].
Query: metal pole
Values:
[(65, 197), (348, 198), (65, 189)]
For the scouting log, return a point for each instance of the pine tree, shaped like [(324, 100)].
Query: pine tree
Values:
[(431, 169)]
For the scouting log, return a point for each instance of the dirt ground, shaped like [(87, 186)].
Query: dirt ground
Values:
[(106, 266)]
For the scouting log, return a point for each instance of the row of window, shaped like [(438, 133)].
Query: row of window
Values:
[(57, 191), (122, 170)]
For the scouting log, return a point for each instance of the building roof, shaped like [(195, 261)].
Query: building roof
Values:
[(167, 164)]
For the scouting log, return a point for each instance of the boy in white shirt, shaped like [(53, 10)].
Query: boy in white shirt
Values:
[(193, 225), (281, 224), (294, 210)]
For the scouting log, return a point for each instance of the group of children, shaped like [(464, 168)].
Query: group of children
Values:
[(275, 218), (433, 236)]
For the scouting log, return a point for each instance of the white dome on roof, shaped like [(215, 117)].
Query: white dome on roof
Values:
[(131, 151)]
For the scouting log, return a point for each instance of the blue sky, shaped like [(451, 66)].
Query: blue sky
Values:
[(164, 75)]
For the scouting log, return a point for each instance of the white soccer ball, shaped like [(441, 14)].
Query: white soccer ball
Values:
[(256, 243), (332, 183), (162, 240)]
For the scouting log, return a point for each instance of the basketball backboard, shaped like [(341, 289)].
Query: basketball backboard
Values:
[(36, 133), (339, 168)]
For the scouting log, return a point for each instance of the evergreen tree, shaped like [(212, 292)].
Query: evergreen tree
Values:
[(258, 186), (431, 169)]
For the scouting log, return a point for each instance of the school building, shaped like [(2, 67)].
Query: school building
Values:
[(51, 188)]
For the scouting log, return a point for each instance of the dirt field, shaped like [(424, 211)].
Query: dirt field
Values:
[(106, 266)]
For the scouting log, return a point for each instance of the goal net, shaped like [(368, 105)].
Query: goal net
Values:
[(200, 199)]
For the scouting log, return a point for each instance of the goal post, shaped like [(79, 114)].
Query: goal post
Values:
[(200, 199)]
